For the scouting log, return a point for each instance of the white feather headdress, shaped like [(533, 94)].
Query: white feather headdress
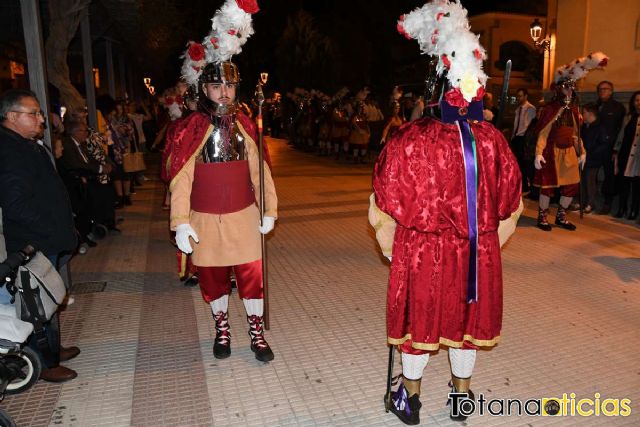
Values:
[(442, 30), (580, 67), (231, 27)]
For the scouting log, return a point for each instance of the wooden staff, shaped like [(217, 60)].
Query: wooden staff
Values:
[(265, 271)]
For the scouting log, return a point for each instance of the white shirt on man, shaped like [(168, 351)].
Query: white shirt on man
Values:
[(525, 113)]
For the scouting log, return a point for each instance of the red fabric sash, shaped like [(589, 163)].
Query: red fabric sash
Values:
[(220, 188)]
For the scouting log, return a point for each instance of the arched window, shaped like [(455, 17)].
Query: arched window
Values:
[(518, 52)]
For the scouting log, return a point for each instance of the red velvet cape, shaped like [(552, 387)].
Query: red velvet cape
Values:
[(419, 181)]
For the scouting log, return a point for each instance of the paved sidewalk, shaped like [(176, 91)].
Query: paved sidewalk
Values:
[(571, 322)]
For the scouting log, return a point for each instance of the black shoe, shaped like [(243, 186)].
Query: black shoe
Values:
[(118, 204), (115, 231), (222, 343), (258, 344), (461, 403), (127, 200), (191, 281), (620, 213), (407, 409), (561, 220), (543, 224)]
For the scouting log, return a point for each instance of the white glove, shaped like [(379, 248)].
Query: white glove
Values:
[(183, 232), (582, 160), (539, 161), (389, 258), (267, 224)]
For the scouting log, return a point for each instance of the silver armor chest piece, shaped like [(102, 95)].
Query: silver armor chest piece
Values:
[(226, 143)]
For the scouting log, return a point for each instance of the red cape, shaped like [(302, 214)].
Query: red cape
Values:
[(185, 136), (549, 113)]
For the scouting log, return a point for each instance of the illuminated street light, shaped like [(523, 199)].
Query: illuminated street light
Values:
[(263, 78), (535, 30), (147, 81)]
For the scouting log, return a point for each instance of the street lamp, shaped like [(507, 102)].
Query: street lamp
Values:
[(263, 78), (147, 81), (535, 30)]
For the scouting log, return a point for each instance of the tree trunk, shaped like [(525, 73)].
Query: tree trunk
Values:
[(65, 17)]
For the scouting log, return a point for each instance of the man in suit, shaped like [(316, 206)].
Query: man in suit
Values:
[(35, 207)]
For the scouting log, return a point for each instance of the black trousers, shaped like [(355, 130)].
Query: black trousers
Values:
[(517, 147), (629, 185)]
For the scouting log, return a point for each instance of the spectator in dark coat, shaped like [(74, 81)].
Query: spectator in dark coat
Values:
[(35, 206), (610, 115), (594, 137)]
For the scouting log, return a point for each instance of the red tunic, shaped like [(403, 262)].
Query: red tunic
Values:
[(561, 160), (419, 181)]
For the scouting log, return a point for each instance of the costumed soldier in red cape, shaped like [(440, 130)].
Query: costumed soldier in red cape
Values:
[(214, 172), (560, 153), (442, 186)]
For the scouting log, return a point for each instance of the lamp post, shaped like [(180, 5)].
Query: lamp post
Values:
[(535, 30)]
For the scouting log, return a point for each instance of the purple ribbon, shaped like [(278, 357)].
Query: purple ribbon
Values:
[(471, 184)]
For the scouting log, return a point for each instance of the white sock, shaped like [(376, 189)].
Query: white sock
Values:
[(462, 362), (220, 305), (413, 365), (544, 201), (254, 307), (565, 201)]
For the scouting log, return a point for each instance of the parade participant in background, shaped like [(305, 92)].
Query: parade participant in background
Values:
[(187, 272), (560, 153), (214, 175), (441, 187), (359, 133), (393, 124), (339, 122), (324, 126)]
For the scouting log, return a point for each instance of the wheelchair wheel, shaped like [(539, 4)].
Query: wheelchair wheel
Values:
[(99, 231), (6, 420), (27, 367)]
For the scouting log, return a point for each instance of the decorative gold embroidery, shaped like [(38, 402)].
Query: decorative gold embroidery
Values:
[(444, 341)]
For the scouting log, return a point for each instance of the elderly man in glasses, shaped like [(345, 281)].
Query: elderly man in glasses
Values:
[(35, 208)]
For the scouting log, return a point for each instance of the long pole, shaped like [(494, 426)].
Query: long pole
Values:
[(387, 395), (265, 271), (504, 93)]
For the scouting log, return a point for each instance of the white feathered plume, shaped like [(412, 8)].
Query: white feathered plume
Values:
[(231, 27), (580, 67), (441, 29)]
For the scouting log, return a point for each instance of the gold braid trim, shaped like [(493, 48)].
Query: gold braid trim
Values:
[(444, 341), (192, 158)]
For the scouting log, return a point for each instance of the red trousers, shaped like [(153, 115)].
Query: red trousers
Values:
[(570, 190), (215, 281)]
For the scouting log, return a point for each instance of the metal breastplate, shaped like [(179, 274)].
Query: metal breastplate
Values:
[(226, 143)]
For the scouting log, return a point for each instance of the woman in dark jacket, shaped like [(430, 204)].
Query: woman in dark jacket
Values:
[(627, 161)]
